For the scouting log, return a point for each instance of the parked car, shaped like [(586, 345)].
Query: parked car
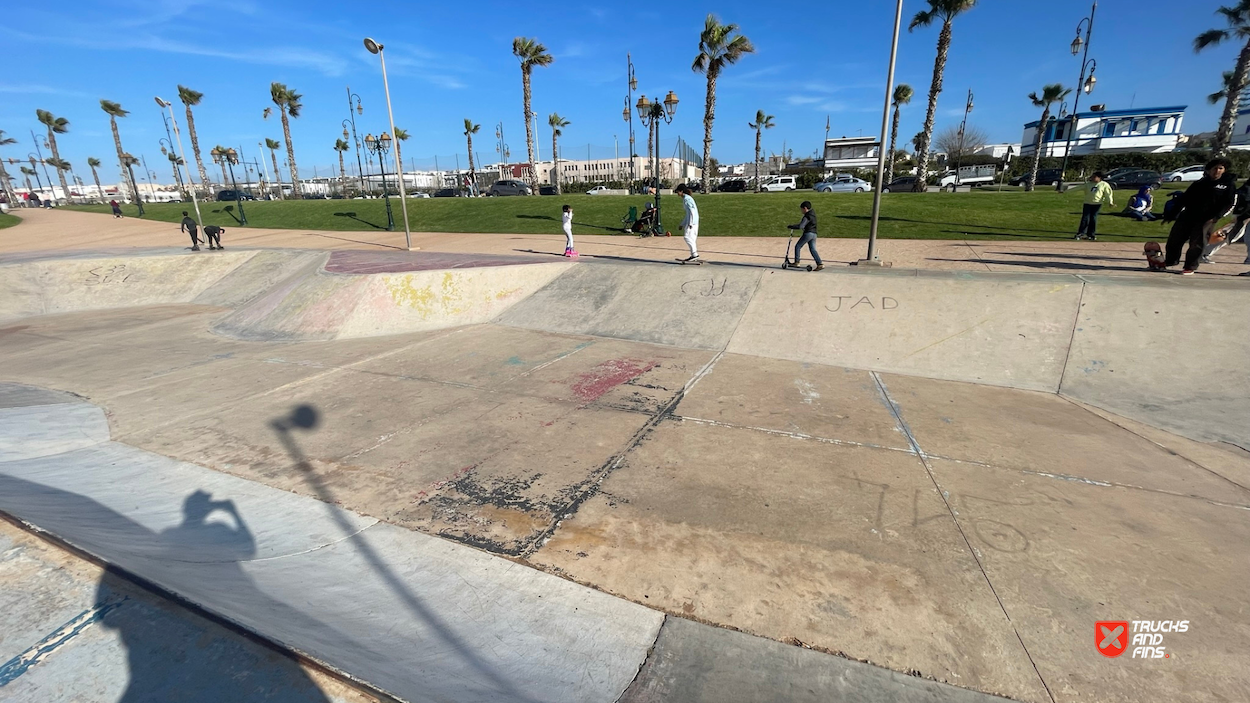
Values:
[(1045, 177), (736, 185), (842, 184), (1122, 169), (509, 187), (547, 190), (418, 194), (902, 184), (599, 190), (1134, 180), (447, 193), (230, 196), (1189, 173), (777, 184)]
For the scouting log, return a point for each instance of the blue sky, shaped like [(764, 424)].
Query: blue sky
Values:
[(448, 61)]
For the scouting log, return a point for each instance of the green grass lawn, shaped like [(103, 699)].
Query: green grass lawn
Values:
[(1017, 215), (7, 220)]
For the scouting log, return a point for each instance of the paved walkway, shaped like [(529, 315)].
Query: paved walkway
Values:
[(63, 229)]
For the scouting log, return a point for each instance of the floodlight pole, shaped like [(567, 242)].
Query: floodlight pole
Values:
[(872, 259), (376, 48)]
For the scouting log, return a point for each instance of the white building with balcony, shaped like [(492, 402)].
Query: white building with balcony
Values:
[(1154, 130), (851, 152)]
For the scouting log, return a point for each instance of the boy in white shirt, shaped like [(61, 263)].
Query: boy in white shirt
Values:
[(566, 223), (690, 223)]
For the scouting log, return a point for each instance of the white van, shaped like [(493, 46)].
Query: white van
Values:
[(780, 183)]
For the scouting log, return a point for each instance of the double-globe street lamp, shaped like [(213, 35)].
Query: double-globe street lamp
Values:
[(167, 148), (376, 49), (628, 116), (351, 119), (230, 157), (657, 113), (380, 146), (1083, 84)]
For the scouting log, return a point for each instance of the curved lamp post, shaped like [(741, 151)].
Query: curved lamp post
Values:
[(380, 146), (351, 119), (376, 48), (1083, 83), (657, 113), (963, 127), (182, 154)]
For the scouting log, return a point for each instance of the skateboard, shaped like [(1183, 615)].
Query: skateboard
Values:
[(1154, 256), (696, 262)]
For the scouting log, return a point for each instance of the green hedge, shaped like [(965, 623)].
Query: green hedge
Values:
[(1081, 166)]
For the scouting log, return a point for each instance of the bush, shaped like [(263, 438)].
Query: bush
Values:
[(1082, 165)]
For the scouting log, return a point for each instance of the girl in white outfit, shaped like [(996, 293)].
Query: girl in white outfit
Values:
[(566, 222), (690, 223)]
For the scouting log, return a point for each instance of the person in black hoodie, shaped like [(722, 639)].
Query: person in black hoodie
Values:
[(808, 225), (1202, 205)]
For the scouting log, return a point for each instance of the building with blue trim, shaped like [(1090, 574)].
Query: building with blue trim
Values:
[(1155, 130), (1241, 128)]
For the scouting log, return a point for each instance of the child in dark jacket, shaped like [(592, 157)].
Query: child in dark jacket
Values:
[(1197, 212), (808, 225)]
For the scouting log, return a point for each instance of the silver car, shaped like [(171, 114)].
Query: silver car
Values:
[(842, 184)]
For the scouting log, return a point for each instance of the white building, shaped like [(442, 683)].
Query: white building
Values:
[(998, 151), (1155, 130), (1241, 128), (600, 170), (851, 152)]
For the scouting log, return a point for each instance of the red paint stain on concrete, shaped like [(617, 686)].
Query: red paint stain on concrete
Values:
[(591, 385)]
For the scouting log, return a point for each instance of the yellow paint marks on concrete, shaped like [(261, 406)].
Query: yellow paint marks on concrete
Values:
[(406, 292)]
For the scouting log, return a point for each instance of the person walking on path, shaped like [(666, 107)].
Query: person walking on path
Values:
[(1140, 206), (190, 226), (808, 225), (213, 234), (566, 223), (117, 209), (1097, 192), (690, 223), (1196, 213)]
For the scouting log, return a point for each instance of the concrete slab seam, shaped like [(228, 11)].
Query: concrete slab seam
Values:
[(793, 435), (645, 660), (898, 416), (58, 638), (1076, 321)]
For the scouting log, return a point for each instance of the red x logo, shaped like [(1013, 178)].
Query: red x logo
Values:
[(1111, 637)]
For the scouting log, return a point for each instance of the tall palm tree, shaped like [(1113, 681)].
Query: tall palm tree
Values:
[(288, 102), (762, 122), (902, 96), (400, 135), (27, 172), (9, 193), (557, 123), (56, 125), (1051, 94), (341, 146), (1238, 19), (531, 53), (114, 110), (191, 98), (174, 162), (946, 11), (471, 129), (128, 163), (94, 163), (273, 145), (1226, 84), (718, 47)]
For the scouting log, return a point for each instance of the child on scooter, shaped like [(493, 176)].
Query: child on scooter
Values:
[(808, 225)]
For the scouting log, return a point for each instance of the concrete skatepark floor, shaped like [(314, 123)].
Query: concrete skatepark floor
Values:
[(887, 509)]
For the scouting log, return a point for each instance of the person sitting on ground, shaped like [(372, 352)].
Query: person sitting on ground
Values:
[(1140, 205), (1196, 213)]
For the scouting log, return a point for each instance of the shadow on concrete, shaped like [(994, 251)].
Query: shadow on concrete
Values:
[(578, 224), (229, 210), (953, 224), (169, 656), (306, 418), (352, 216), (1056, 255), (1053, 265), (353, 241)]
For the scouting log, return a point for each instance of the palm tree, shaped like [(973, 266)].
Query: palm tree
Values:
[(1051, 94), (273, 145), (762, 122), (557, 124), (531, 54), (718, 47), (191, 98), (902, 96), (400, 135), (114, 110), (56, 125), (60, 166), (1226, 83), (174, 162), (341, 146), (9, 193), (27, 172), (471, 129), (1238, 19), (946, 11), (94, 163), (288, 102), (128, 163)]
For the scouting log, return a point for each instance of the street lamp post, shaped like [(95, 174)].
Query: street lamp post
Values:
[(376, 48), (35, 169), (35, 140), (963, 127), (182, 154), (1082, 83), (167, 148), (360, 110), (872, 259), (657, 113), (629, 116), (380, 146)]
